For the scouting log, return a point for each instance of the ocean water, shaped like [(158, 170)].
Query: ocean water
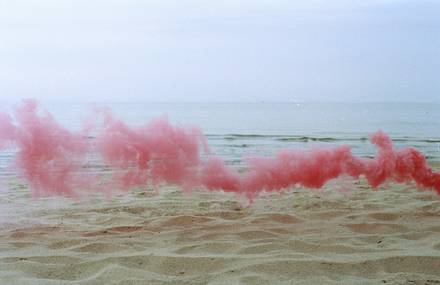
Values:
[(237, 130)]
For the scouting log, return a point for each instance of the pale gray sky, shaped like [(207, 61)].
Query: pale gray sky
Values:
[(225, 50)]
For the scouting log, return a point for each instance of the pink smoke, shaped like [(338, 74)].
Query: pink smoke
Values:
[(313, 169), (154, 153), (47, 152), (51, 159)]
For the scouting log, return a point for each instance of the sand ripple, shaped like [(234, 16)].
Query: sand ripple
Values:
[(389, 236)]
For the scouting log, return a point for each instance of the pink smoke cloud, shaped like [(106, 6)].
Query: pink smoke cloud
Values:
[(314, 168), (51, 159), (47, 153), (154, 153)]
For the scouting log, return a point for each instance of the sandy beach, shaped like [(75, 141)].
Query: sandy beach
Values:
[(357, 236), (111, 112)]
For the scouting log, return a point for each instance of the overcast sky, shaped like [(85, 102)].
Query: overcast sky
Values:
[(220, 50)]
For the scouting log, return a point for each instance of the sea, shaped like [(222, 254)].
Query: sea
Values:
[(238, 130)]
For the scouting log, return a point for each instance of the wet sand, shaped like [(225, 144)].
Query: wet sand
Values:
[(358, 236)]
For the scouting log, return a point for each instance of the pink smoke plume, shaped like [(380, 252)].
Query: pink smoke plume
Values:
[(313, 169), (47, 152), (51, 159), (154, 153)]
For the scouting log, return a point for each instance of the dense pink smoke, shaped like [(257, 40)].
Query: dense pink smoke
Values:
[(51, 159), (47, 152), (154, 153), (314, 168)]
